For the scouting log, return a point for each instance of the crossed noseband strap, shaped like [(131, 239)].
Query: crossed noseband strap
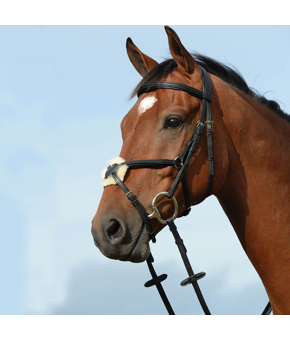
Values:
[(113, 170), (181, 162)]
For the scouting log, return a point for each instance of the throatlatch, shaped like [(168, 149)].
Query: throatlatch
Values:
[(181, 163)]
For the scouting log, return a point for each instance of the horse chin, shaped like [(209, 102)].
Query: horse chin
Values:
[(139, 253), (140, 249)]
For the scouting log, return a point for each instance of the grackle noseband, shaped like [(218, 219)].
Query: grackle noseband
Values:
[(181, 163)]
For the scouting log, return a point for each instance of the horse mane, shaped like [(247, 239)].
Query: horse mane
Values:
[(224, 72)]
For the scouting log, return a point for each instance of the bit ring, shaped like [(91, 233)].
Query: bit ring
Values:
[(155, 212)]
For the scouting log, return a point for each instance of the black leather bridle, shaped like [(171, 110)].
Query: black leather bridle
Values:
[(181, 163)]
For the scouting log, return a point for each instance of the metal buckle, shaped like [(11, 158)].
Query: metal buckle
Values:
[(178, 163), (199, 123), (209, 124), (155, 212)]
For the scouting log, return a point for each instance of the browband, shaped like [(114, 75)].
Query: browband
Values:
[(150, 86)]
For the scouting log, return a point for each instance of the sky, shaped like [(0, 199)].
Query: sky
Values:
[(63, 93)]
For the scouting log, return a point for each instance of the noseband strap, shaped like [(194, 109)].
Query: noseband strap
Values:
[(134, 200)]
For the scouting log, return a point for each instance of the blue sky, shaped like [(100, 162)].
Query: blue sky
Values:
[(63, 93)]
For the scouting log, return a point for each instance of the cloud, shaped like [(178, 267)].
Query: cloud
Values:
[(117, 288), (12, 255)]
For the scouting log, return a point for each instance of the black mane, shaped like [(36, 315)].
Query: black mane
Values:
[(227, 74)]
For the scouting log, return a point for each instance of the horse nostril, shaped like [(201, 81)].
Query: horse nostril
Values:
[(114, 231)]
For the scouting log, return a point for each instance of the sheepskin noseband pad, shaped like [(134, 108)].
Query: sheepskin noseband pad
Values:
[(121, 171)]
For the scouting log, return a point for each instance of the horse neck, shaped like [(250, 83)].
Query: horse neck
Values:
[(255, 194)]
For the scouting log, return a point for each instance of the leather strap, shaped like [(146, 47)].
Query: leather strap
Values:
[(133, 199), (193, 278), (150, 163), (153, 86), (192, 144), (267, 310), (156, 281)]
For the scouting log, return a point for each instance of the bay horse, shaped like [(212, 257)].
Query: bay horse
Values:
[(249, 138)]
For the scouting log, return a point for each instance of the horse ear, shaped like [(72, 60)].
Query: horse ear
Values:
[(182, 57), (142, 63)]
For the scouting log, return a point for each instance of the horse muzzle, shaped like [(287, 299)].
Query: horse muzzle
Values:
[(116, 240)]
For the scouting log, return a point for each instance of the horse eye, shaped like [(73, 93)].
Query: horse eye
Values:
[(173, 123)]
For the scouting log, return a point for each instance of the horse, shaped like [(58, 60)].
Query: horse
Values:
[(249, 172)]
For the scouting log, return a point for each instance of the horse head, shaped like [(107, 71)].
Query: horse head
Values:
[(158, 127)]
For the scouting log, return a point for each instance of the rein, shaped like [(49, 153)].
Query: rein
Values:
[(181, 163)]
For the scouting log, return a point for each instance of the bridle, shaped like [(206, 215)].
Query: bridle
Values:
[(181, 163)]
